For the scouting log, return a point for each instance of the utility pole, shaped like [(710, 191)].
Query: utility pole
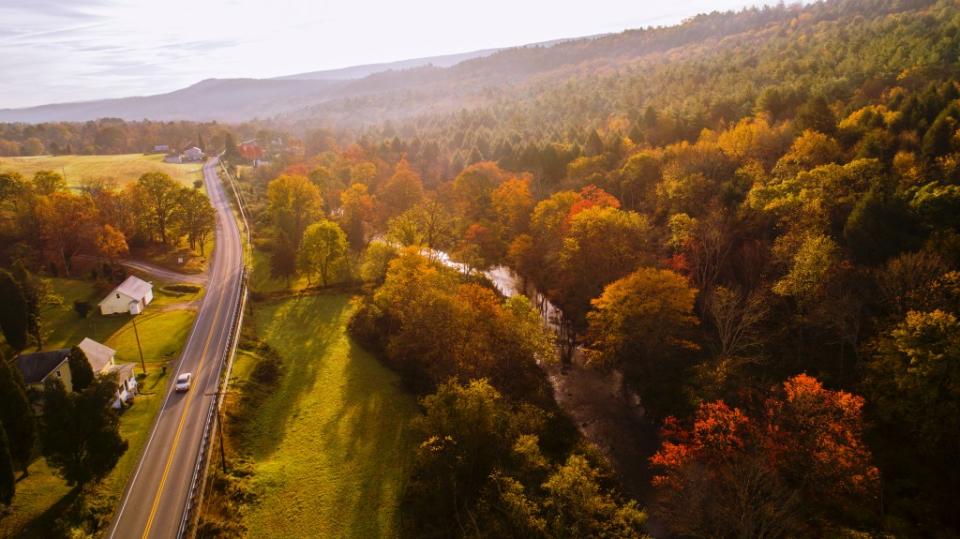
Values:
[(139, 348), (223, 453)]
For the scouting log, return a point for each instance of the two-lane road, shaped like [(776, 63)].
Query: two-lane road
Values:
[(156, 494)]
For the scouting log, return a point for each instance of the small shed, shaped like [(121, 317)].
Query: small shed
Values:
[(132, 296)]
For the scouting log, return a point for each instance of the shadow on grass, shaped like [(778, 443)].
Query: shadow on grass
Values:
[(337, 420), (370, 436), (42, 525), (300, 331)]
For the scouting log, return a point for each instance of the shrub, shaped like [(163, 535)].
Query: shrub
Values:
[(182, 288), (82, 308)]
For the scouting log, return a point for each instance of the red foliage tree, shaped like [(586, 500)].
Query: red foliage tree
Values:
[(733, 473)]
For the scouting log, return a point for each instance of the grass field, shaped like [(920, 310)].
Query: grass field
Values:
[(261, 281), (162, 335), (330, 444), (122, 168), (164, 296)]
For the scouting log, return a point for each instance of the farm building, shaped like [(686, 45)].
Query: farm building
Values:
[(132, 296)]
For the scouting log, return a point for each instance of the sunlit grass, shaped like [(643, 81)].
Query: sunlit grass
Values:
[(164, 295), (162, 335), (330, 443)]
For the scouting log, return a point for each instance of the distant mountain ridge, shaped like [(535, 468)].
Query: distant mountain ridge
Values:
[(361, 71), (364, 95)]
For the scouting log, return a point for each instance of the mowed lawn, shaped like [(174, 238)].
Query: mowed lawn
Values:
[(162, 335), (123, 168), (331, 444)]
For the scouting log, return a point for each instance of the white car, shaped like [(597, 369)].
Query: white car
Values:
[(183, 382)]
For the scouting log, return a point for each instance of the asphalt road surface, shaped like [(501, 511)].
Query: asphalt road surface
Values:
[(156, 494)]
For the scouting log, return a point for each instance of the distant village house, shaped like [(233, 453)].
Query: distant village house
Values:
[(193, 154)]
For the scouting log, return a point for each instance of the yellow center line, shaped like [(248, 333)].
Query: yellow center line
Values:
[(183, 417)]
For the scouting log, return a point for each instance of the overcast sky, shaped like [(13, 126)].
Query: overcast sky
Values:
[(74, 50)]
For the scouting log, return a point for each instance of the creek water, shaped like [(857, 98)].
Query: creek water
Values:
[(604, 410)]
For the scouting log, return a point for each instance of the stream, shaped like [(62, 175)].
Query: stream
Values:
[(605, 411)]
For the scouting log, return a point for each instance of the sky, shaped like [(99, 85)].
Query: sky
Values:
[(54, 51)]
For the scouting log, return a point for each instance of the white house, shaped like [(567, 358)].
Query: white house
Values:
[(193, 154), (132, 296), (102, 362)]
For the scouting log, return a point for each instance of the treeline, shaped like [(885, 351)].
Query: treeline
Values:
[(117, 136)]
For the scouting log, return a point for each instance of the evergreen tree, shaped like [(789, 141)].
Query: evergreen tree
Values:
[(475, 156), (594, 144), (13, 312), (16, 415), (8, 483), (81, 374), (230, 150), (34, 291), (81, 432), (936, 141)]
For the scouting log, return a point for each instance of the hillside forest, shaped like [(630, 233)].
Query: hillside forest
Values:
[(756, 222)]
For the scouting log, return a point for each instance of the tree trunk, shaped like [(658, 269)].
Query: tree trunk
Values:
[(66, 264)]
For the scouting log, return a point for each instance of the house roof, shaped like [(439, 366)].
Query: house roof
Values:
[(36, 366), (133, 287), (97, 354)]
